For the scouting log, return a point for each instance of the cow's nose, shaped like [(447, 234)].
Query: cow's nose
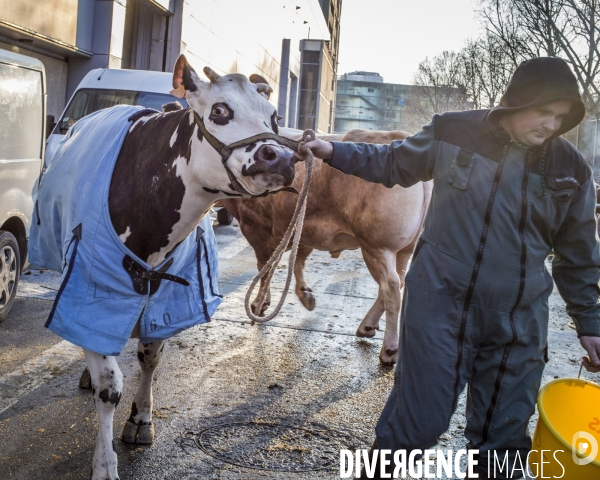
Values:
[(273, 159), (269, 153)]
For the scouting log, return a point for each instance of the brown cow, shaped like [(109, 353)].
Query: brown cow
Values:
[(344, 213)]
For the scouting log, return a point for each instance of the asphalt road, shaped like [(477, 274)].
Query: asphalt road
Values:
[(232, 401)]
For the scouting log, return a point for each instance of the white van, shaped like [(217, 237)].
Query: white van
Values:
[(103, 88), (22, 133)]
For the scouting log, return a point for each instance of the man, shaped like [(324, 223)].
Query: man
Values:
[(507, 191)]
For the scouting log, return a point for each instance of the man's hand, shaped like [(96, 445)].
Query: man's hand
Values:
[(320, 149), (592, 347)]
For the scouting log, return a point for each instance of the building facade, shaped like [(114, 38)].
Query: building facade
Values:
[(72, 37), (365, 101)]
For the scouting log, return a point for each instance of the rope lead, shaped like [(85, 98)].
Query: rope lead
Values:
[(295, 226)]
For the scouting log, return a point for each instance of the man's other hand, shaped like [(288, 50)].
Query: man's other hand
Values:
[(592, 347), (320, 149)]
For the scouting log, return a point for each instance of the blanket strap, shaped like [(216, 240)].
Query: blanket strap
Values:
[(147, 281)]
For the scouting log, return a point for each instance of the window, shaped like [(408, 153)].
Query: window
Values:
[(89, 100), (21, 110), (370, 90)]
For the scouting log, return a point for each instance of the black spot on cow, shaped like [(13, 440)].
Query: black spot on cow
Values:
[(274, 125), (106, 397), (188, 83), (232, 194), (200, 136), (93, 390), (114, 446), (134, 411), (210, 190), (146, 352), (145, 192), (144, 112), (250, 147), (104, 356), (141, 357)]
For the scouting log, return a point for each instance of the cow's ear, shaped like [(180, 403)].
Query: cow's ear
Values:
[(183, 74), (256, 78), (262, 86)]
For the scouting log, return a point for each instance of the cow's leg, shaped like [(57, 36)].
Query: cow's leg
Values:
[(303, 291), (264, 287), (370, 322), (139, 428), (402, 258), (107, 386), (382, 266)]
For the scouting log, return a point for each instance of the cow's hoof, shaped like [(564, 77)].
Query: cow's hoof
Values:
[(308, 299), (366, 332), (130, 431), (388, 357), (262, 310), (85, 381), (138, 434), (145, 434)]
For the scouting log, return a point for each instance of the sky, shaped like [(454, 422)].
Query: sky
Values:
[(393, 36)]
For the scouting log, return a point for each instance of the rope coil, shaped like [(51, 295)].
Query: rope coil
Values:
[(295, 228)]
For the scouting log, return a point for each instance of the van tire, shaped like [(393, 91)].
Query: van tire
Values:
[(224, 217), (10, 268)]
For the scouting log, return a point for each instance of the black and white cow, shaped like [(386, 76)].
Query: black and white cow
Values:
[(168, 175)]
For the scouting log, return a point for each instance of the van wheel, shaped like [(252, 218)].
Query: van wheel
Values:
[(10, 266), (224, 217)]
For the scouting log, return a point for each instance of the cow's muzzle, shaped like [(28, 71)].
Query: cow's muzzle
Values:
[(272, 161)]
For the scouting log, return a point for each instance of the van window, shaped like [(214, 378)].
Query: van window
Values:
[(21, 111), (89, 100)]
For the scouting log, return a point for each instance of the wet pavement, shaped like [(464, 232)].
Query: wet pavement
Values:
[(232, 401)]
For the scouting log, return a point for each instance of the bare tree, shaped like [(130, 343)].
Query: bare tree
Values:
[(566, 28), (486, 71), (439, 88)]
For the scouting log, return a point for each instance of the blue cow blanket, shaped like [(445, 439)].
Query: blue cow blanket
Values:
[(98, 304)]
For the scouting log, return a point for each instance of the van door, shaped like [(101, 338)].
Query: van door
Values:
[(21, 149), (21, 139)]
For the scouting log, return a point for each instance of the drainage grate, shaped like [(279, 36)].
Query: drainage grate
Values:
[(271, 446)]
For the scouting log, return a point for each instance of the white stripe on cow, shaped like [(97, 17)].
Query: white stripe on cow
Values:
[(124, 236), (173, 139)]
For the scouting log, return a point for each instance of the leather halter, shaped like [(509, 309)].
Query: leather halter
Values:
[(226, 150)]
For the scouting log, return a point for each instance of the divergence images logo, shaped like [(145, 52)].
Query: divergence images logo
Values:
[(585, 448)]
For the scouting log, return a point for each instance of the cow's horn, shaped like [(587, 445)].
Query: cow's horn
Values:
[(264, 89), (211, 74)]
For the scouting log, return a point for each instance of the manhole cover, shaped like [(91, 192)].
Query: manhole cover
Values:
[(271, 446)]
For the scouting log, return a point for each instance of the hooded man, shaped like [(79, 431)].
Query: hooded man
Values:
[(508, 191)]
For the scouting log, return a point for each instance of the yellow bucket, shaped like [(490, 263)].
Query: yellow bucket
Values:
[(566, 442)]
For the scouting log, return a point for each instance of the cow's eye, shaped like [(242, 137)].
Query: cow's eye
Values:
[(274, 119), (221, 113)]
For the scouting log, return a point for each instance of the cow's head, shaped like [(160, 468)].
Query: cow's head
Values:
[(232, 110)]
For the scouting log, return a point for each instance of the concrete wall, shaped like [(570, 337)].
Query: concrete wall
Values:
[(56, 19), (106, 20)]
